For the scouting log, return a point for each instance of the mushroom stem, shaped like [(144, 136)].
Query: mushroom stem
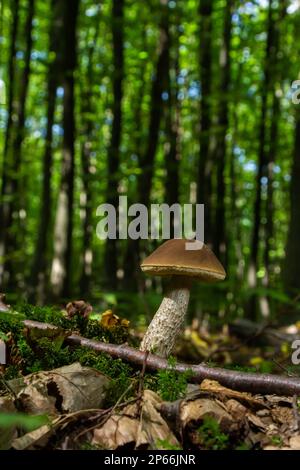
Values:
[(166, 324)]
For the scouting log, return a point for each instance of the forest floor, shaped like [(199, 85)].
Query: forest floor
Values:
[(55, 395)]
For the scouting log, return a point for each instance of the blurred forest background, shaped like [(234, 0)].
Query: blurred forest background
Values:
[(162, 101)]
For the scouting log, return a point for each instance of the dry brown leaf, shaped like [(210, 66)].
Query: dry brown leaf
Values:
[(147, 429), (67, 389), (212, 386), (34, 439), (295, 442), (196, 410), (256, 421), (283, 415)]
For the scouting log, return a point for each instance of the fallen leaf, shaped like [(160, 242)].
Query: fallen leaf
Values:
[(67, 389), (196, 410), (144, 429), (295, 442)]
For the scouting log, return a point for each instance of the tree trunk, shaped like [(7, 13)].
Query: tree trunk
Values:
[(261, 167), (111, 249), (87, 110), (61, 274), (6, 189), (277, 72), (40, 266), (144, 183), (172, 145), (291, 271), (222, 126), (204, 186), (14, 240), (131, 277)]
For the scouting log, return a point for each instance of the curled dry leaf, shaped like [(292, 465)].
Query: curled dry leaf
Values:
[(139, 424), (78, 307), (214, 387), (67, 389)]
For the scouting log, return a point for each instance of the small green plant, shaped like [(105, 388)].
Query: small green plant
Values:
[(277, 441), (172, 384), (243, 446), (210, 435), (164, 444)]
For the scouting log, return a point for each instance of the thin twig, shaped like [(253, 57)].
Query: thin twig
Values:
[(236, 380)]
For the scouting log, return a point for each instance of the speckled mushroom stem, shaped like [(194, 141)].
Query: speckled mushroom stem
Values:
[(166, 324)]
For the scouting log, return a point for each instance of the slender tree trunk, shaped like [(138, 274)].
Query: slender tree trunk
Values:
[(261, 166), (11, 265), (156, 108), (6, 189), (61, 274), (144, 184), (291, 270), (111, 251), (204, 186), (87, 110), (222, 125), (276, 67), (40, 266), (131, 278), (172, 146)]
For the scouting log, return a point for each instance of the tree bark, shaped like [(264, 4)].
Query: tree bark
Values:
[(276, 78), (14, 240), (204, 186), (6, 189), (87, 109), (261, 168), (40, 266), (61, 274), (221, 146), (144, 183), (291, 271), (111, 249), (172, 112)]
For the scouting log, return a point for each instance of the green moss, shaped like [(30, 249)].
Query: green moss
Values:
[(171, 385), (210, 435)]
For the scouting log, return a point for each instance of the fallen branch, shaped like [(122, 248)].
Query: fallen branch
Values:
[(235, 380)]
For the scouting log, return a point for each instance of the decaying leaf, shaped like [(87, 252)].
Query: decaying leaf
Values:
[(139, 424), (195, 411), (37, 438), (78, 307), (110, 319), (214, 387), (67, 389)]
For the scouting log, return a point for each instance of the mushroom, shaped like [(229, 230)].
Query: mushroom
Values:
[(184, 265)]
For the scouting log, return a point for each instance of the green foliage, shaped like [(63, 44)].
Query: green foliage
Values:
[(119, 372), (210, 435), (26, 422), (164, 444), (242, 446), (171, 385), (277, 441)]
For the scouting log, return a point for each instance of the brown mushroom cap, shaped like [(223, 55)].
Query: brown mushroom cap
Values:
[(173, 259)]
